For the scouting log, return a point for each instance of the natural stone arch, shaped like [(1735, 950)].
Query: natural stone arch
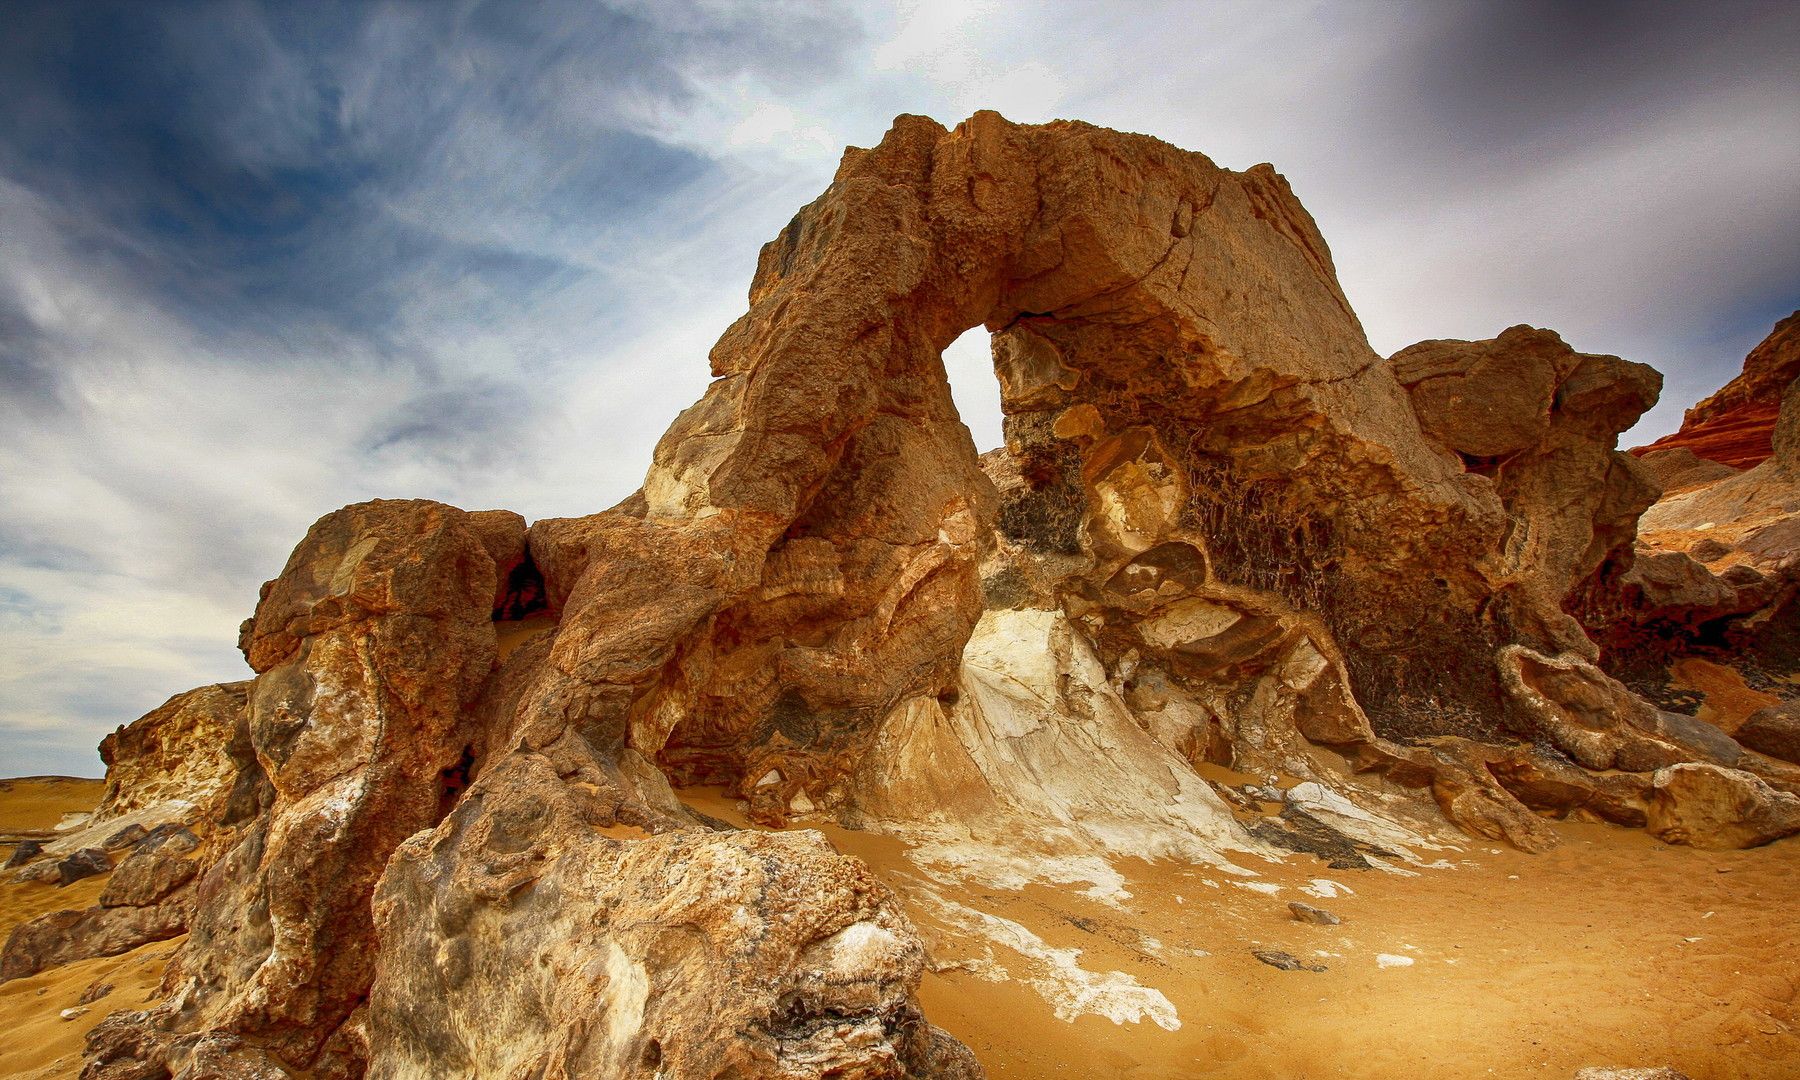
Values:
[(804, 552), (1223, 527)]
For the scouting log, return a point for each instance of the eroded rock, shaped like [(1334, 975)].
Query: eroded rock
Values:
[(516, 938), (1774, 731), (175, 754), (1735, 426), (1712, 807), (1222, 531), (370, 648)]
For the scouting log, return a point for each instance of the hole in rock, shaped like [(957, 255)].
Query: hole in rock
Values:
[(969, 364), (524, 594), (454, 780)]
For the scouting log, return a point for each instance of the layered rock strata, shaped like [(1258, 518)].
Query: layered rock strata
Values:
[(1734, 426)]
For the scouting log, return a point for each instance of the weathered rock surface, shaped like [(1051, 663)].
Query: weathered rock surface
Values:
[(1677, 468), (517, 939), (1774, 731), (1713, 807), (85, 863), (175, 754), (1222, 531), (62, 937), (24, 852), (1735, 425), (370, 648)]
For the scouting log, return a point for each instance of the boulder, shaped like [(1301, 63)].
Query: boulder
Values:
[(22, 853), (145, 878), (131, 834), (1712, 807), (83, 864), (1774, 731), (63, 937), (1308, 914)]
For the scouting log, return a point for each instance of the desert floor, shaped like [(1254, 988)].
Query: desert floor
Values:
[(1612, 949)]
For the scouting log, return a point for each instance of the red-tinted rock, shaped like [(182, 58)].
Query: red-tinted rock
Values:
[(1735, 426)]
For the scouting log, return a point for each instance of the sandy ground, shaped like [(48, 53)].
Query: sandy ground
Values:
[(38, 1043), (1725, 701), (34, 804), (1613, 949)]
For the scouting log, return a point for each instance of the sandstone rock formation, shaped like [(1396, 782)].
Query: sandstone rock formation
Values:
[(590, 955), (176, 754), (1733, 427), (1222, 532), (1715, 574)]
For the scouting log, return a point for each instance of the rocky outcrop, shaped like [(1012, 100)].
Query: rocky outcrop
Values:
[(1540, 421), (1222, 531), (174, 755), (531, 935), (1716, 574), (148, 898), (369, 648), (1734, 426)]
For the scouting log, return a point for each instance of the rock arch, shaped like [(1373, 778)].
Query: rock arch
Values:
[(1223, 529), (1178, 366)]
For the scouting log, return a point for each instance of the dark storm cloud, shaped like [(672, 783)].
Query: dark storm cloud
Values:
[(25, 376), (260, 259), (244, 162), (453, 425)]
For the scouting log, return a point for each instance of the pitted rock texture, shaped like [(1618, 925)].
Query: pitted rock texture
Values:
[(175, 753), (520, 939), (370, 648), (1180, 373), (1735, 425)]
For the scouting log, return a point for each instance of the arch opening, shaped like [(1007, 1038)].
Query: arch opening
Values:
[(969, 365)]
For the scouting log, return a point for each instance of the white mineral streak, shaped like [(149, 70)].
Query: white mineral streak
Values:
[(1054, 973), (1051, 777)]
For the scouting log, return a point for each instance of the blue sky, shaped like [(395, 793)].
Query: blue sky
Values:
[(259, 260)]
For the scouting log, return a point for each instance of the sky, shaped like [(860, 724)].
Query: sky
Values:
[(261, 260)]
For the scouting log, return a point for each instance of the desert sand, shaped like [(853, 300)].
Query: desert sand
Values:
[(1612, 949), (39, 1043)]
